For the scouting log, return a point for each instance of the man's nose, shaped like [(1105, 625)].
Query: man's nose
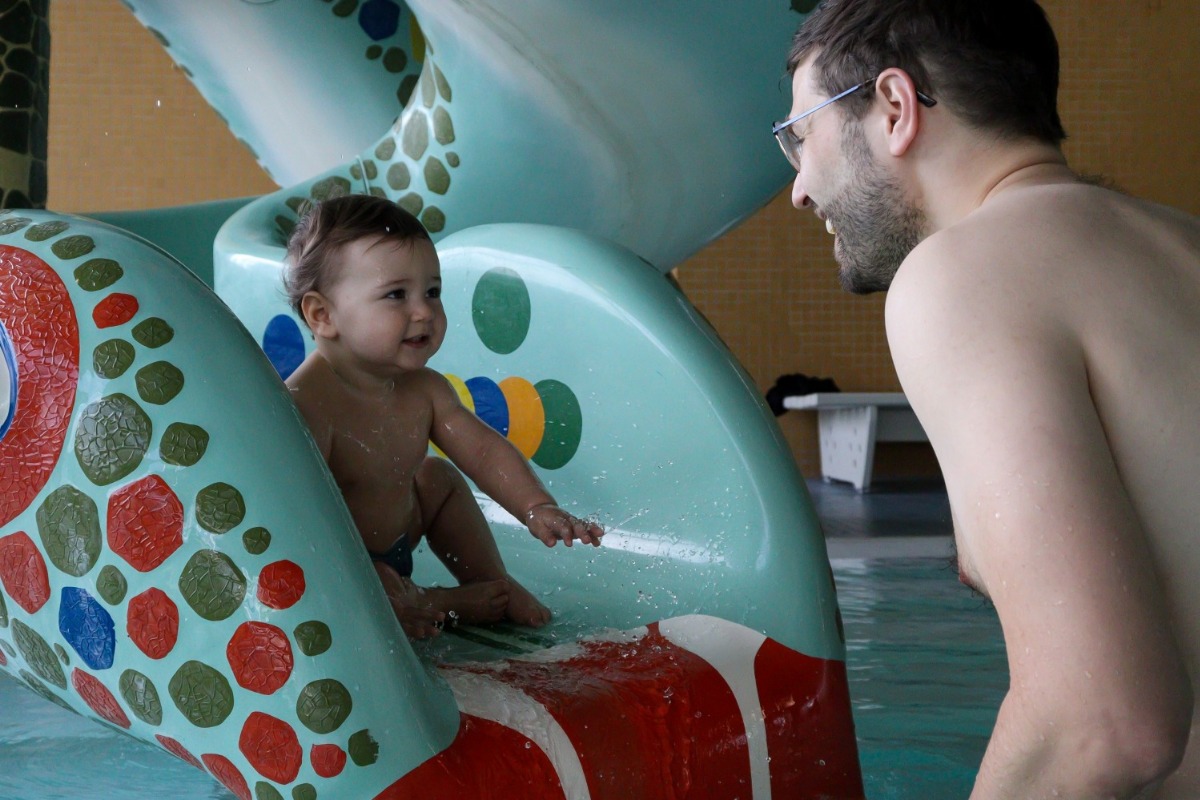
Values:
[(799, 196)]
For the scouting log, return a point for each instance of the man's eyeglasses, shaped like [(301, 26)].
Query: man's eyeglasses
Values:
[(791, 144)]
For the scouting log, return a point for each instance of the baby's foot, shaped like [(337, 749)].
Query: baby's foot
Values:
[(524, 608), (483, 601)]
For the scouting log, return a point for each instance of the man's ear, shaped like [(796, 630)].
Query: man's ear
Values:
[(896, 90), (315, 308)]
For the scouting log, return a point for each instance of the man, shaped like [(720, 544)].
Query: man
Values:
[(1047, 333)]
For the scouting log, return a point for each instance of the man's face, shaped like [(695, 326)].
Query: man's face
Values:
[(874, 223)]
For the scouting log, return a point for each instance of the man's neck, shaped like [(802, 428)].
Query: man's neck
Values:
[(974, 175)]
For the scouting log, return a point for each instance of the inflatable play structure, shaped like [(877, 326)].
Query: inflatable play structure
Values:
[(175, 559)]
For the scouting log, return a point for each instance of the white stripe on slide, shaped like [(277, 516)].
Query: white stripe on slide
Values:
[(499, 702), (730, 649)]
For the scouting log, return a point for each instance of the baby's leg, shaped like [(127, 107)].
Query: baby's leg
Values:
[(459, 535)]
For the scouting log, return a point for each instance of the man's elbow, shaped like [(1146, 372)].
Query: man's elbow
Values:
[(1141, 753)]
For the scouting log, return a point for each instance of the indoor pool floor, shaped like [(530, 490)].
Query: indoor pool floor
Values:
[(924, 655)]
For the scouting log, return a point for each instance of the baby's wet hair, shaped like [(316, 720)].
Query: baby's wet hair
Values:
[(329, 225)]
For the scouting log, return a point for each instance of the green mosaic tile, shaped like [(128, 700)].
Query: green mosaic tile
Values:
[(112, 358), (98, 273), (220, 508), (141, 697), (69, 526), (201, 694), (159, 383), (183, 444), (324, 705)]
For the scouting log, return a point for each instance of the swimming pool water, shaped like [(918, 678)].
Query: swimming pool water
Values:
[(927, 674)]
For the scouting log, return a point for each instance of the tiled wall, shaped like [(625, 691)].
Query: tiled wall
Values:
[(127, 130)]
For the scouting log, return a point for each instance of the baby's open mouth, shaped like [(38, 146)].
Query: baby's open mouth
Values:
[(418, 341)]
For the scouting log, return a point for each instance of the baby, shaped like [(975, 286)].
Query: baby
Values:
[(365, 277)]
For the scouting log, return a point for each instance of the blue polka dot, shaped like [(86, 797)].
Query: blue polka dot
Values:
[(490, 405), (379, 18), (283, 343), (8, 383), (87, 627)]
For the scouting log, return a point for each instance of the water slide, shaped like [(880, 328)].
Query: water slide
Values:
[(175, 559)]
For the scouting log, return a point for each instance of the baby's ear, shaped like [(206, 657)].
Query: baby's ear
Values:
[(315, 309)]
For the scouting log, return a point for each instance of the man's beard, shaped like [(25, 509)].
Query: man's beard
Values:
[(877, 226)]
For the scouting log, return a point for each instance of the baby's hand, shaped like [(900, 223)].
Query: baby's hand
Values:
[(549, 523)]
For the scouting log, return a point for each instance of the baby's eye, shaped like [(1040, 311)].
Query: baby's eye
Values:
[(434, 293), (396, 294)]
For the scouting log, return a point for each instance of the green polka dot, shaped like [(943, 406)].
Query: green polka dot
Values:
[(443, 126), (501, 310), (62, 655), (159, 35), (386, 149), (305, 791), (434, 219), (374, 52), (153, 332), (13, 224), (220, 508), (436, 176), (256, 541), (46, 230), (323, 705), (412, 203), (313, 637), (331, 187), (398, 176), (564, 425), (804, 6), (40, 688), (345, 8), (371, 170), (405, 92), (159, 383), (452, 159), (3, 612), (378, 192), (428, 91), (183, 444), (265, 791), (73, 247), (201, 694), (415, 140), (141, 697), (98, 273), (443, 85), (364, 750), (298, 204), (7, 648), (111, 585), (111, 438), (212, 585), (69, 525), (110, 359), (395, 60), (38, 655)]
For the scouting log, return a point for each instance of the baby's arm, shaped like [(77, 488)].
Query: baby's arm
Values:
[(500, 470)]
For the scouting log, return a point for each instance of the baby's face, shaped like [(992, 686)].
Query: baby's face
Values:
[(386, 304)]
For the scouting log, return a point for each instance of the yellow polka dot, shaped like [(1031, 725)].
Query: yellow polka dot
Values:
[(526, 416)]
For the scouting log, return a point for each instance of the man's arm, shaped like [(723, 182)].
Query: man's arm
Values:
[(1099, 701)]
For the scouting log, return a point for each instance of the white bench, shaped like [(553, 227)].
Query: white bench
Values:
[(850, 423)]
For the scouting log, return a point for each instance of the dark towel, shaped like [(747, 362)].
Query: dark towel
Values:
[(796, 384)]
